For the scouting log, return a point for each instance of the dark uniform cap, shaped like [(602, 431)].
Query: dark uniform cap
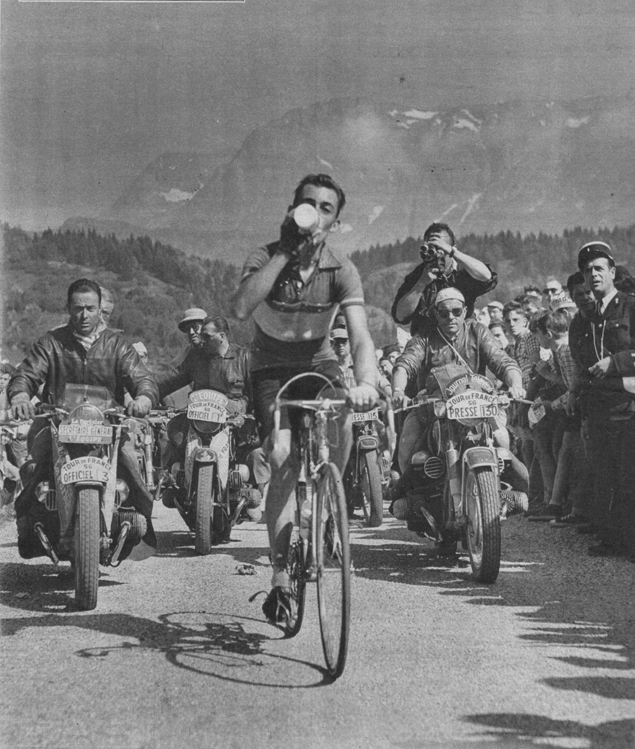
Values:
[(593, 250)]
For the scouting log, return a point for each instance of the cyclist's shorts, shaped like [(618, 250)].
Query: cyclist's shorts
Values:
[(267, 382)]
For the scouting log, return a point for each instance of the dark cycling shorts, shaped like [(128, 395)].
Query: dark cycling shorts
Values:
[(267, 382)]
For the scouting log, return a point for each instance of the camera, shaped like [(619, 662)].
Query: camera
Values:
[(431, 255)]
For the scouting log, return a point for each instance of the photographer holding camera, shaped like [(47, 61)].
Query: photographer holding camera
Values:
[(442, 266)]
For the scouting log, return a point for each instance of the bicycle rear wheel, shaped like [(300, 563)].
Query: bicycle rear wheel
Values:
[(333, 568)]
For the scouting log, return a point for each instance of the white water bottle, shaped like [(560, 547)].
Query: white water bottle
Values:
[(306, 218)]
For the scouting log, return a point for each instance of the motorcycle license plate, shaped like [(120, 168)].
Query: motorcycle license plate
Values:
[(89, 433), (88, 468), (471, 405), (366, 415)]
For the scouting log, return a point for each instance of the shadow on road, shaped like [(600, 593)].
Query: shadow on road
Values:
[(575, 609), (222, 646), (523, 731), (41, 587)]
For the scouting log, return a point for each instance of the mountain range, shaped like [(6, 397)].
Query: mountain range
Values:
[(526, 167)]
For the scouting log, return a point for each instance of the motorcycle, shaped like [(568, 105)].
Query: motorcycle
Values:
[(210, 489), (457, 491), (80, 503), (365, 477)]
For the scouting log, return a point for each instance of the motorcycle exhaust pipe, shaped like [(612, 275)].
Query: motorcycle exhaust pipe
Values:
[(113, 560), (48, 548)]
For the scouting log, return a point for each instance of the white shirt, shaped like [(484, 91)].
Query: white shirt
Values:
[(604, 302)]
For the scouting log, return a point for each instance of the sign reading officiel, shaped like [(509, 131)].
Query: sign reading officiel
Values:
[(88, 468)]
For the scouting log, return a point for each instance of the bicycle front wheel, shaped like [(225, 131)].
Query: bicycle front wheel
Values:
[(333, 560)]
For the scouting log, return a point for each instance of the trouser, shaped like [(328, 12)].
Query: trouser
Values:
[(548, 434), (581, 490), (612, 456)]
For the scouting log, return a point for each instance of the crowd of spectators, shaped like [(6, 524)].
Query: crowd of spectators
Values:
[(575, 432)]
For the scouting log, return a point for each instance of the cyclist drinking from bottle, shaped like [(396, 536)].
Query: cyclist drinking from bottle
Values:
[(294, 288)]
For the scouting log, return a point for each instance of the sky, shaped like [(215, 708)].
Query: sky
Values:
[(93, 92)]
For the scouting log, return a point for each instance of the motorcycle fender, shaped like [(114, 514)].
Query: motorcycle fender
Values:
[(204, 455), (477, 457), (367, 443)]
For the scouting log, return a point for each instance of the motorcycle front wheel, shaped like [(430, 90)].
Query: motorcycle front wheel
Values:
[(483, 528), (372, 494), (333, 561), (86, 548), (204, 506)]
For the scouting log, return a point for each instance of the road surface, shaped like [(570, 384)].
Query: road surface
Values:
[(175, 655)]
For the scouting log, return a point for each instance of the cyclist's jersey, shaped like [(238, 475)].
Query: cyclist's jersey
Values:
[(294, 321)]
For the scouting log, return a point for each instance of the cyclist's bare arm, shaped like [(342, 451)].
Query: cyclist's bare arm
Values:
[(254, 289), (364, 395)]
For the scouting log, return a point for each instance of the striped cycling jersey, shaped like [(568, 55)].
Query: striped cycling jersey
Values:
[(293, 322)]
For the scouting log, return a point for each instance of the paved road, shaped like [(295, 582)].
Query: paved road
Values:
[(176, 656)]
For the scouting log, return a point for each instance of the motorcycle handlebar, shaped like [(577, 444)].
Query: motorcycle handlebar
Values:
[(503, 400)]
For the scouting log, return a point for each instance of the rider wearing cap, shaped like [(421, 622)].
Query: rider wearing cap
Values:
[(452, 340), (604, 352), (192, 324)]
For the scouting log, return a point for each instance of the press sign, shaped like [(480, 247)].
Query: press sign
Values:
[(472, 404), (366, 415)]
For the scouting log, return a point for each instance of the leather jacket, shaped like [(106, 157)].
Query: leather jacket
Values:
[(475, 344), (58, 358), (228, 374)]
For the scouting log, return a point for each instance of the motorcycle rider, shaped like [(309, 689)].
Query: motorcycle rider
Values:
[(84, 352), (216, 363), (192, 324), (452, 340), (442, 266), (295, 287)]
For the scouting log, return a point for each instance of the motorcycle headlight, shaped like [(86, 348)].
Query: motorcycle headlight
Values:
[(86, 412), (439, 409), (122, 492), (207, 427)]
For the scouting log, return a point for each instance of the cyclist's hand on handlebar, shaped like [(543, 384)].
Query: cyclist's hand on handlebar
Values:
[(518, 393), (362, 397), (21, 407), (140, 406)]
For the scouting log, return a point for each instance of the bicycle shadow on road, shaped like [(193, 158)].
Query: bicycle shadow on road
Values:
[(212, 644)]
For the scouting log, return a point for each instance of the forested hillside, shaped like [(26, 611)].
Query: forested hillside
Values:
[(153, 283)]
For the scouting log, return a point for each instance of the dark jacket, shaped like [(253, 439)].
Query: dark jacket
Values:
[(458, 278), (474, 343), (590, 339), (229, 374), (58, 358)]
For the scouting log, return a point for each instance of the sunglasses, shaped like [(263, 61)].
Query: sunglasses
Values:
[(445, 313), (208, 336)]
